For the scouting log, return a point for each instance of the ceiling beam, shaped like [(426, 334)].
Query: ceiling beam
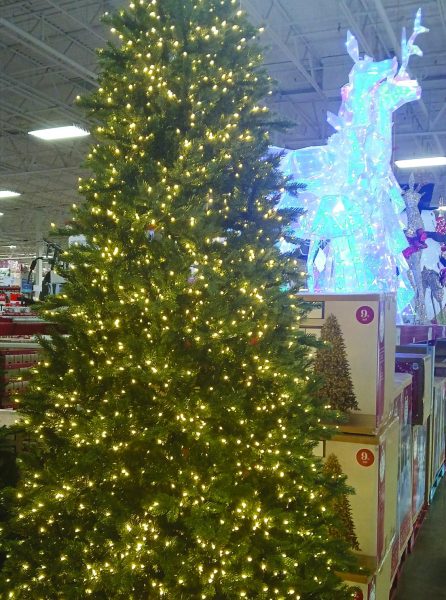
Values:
[(277, 39), (397, 48), (32, 41), (76, 20), (355, 27)]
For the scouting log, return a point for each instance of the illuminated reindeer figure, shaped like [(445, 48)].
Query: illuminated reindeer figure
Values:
[(352, 200)]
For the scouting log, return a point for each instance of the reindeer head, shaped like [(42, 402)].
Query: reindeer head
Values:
[(367, 75), (366, 72)]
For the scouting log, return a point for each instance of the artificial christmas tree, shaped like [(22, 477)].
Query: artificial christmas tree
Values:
[(331, 365), (345, 529), (174, 426)]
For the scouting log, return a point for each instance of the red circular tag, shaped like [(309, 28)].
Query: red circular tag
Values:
[(365, 315), (365, 457), (358, 595)]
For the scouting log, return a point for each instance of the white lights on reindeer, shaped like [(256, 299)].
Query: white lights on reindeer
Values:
[(352, 201)]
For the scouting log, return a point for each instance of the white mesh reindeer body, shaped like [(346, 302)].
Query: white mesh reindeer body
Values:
[(352, 200)]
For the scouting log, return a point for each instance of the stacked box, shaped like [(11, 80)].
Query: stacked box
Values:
[(403, 411), (367, 322), (420, 461), (15, 360), (370, 462), (437, 435), (420, 367), (8, 417), (408, 334), (376, 585), (440, 358)]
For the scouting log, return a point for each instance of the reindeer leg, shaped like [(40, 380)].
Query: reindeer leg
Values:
[(433, 304)]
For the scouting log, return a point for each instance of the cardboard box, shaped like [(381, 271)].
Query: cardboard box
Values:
[(420, 463), (367, 322), (440, 358), (403, 408), (376, 585), (408, 334), (370, 463), (437, 433), (8, 417), (420, 367)]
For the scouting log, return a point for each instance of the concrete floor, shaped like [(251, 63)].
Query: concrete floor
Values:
[(423, 575)]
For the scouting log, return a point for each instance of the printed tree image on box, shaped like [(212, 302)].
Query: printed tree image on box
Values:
[(341, 505), (331, 365), (173, 427)]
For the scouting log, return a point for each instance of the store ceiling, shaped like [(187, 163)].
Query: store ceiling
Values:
[(47, 58)]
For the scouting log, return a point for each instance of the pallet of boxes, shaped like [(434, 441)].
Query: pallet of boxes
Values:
[(374, 446), (16, 360), (423, 353)]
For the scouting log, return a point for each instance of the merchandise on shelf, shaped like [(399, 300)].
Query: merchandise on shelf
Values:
[(370, 462), (420, 367), (403, 410), (374, 585), (409, 334), (8, 417), (420, 449), (440, 358), (437, 435), (367, 323), (16, 358)]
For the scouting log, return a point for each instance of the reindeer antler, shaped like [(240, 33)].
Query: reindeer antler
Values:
[(408, 47)]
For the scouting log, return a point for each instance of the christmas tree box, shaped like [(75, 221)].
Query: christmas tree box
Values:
[(437, 434), (371, 583), (420, 367), (402, 410), (440, 358), (370, 463), (420, 461), (367, 323), (8, 417), (408, 334)]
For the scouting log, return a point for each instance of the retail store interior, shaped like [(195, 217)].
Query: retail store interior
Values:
[(361, 85)]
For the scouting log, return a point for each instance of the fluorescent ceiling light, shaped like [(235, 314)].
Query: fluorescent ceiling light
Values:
[(8, 194), (60, 133), (411, 163)]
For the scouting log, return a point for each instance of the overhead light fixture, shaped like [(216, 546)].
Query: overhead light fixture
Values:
[(12, 247), (60, 133), (8, 194), (413, 163)]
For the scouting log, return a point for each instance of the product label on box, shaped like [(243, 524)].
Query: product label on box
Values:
[(365, 457), (365, 315)]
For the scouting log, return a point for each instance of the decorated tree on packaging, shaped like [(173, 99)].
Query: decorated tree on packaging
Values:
[(331, 365), (345, 528), (174, 426)]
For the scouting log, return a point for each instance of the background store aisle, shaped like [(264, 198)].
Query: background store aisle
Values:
[(423, 574)]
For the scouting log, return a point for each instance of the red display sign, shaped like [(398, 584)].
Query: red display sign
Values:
[(365, 457)]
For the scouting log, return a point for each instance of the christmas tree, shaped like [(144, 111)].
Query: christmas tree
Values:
[(174, 426), (345, 529), (331, 365)]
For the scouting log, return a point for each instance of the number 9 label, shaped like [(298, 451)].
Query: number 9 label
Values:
[(365, 315)]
